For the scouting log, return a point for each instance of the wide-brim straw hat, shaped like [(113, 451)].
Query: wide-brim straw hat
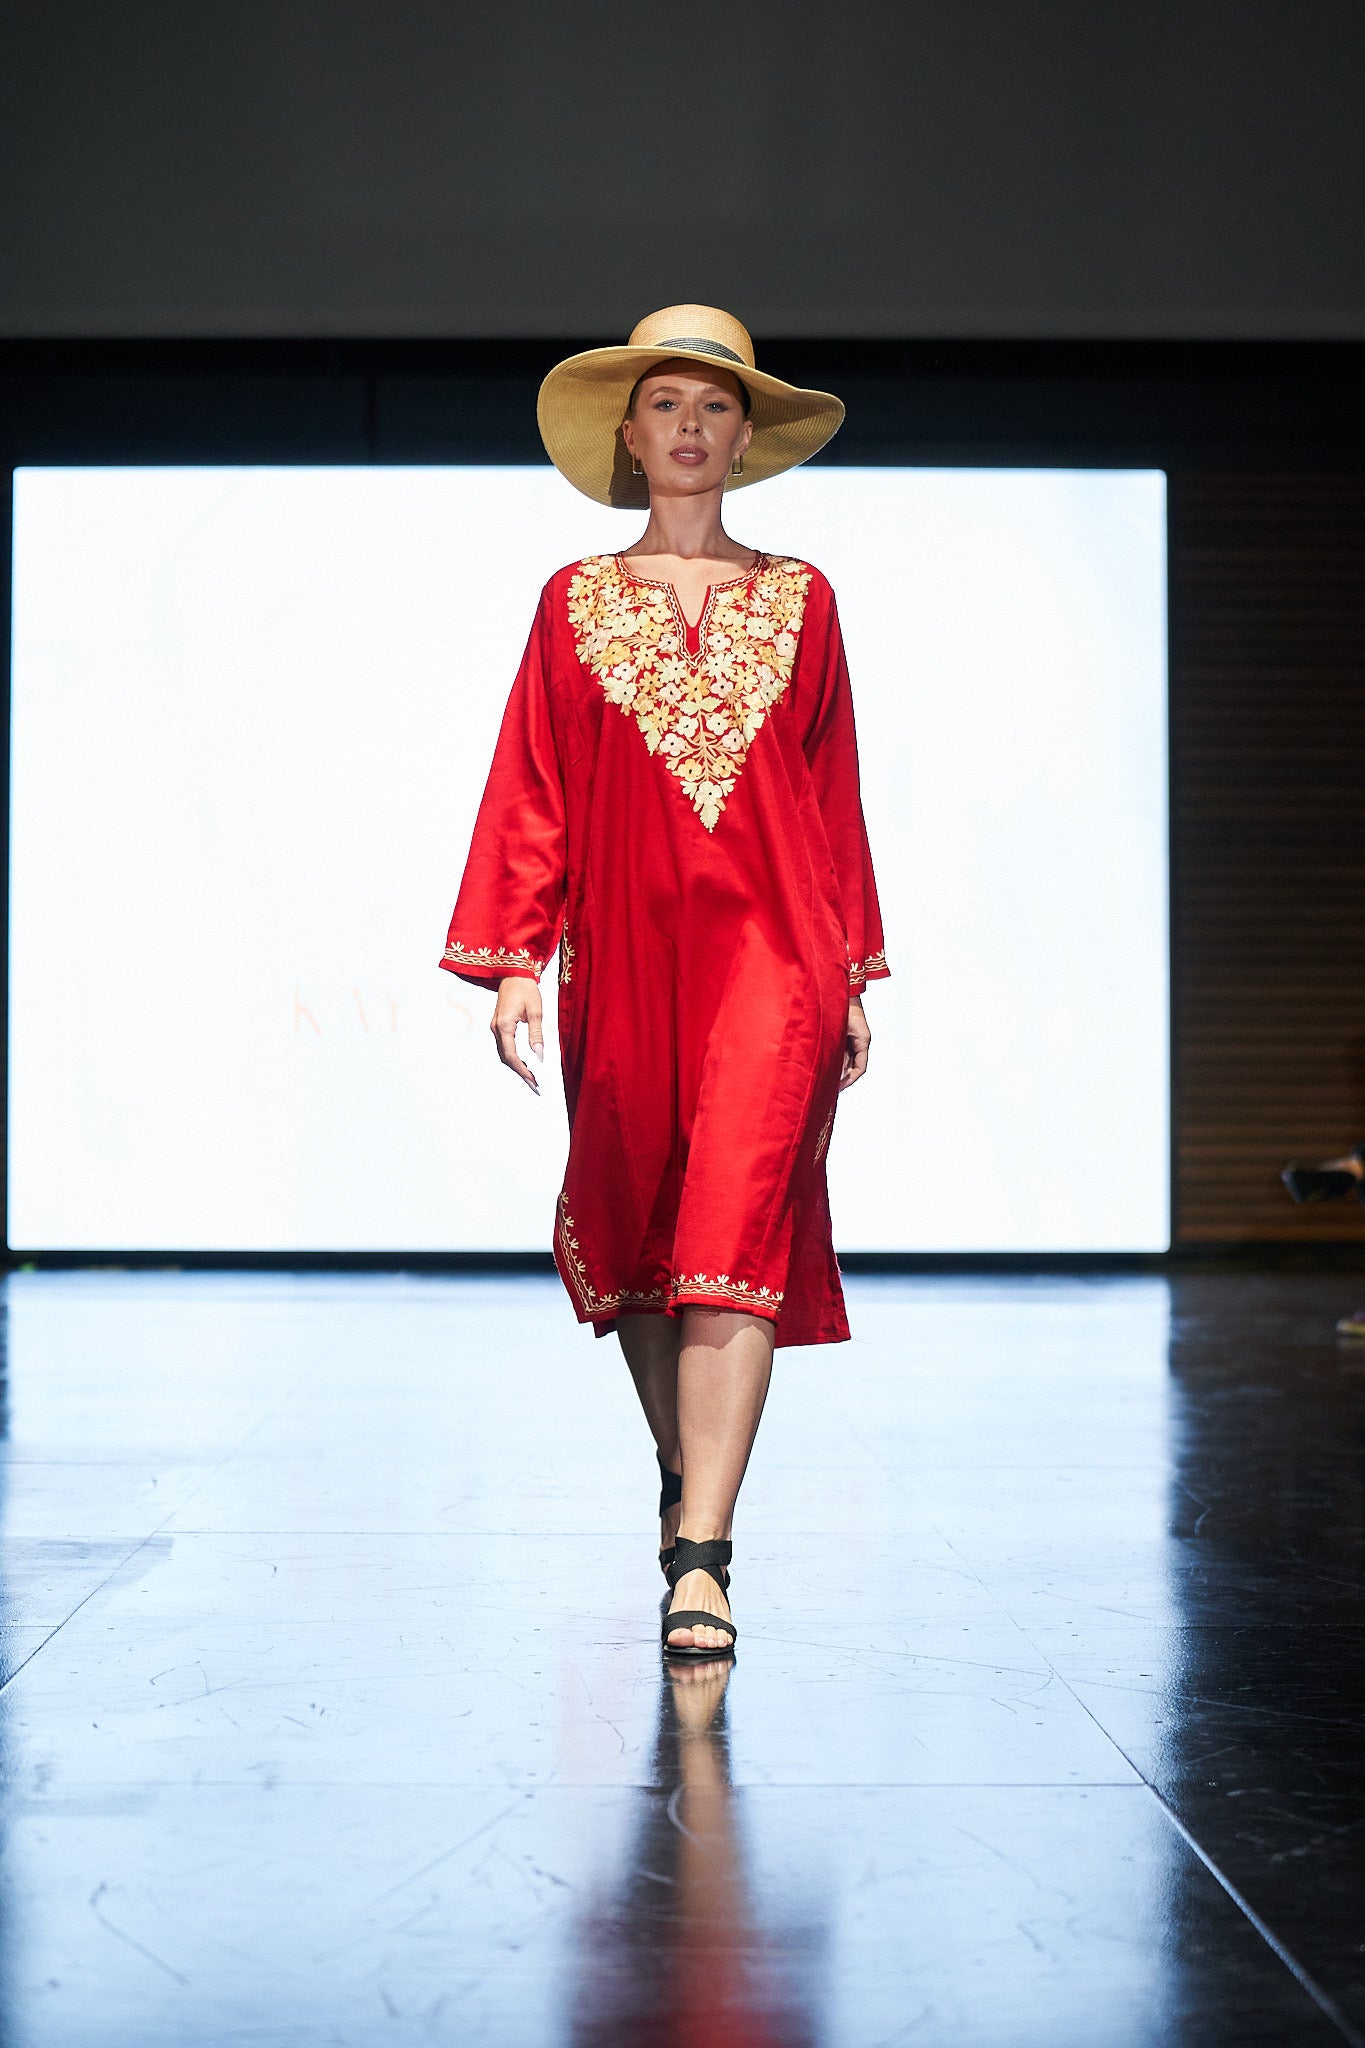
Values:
[(583, 402)]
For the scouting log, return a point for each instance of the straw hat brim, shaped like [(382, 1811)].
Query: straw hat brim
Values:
[(583, 401)]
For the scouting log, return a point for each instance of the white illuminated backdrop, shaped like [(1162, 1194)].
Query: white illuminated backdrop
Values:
[(253, 710)]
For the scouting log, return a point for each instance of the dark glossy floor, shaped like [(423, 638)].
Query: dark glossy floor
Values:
[(335, 1715)]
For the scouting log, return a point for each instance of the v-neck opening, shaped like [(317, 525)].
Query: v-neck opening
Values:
[(663, 583)]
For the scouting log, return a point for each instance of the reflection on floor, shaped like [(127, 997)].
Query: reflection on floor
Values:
[(334, 1711)]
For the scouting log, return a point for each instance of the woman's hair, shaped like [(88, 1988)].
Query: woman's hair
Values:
[(744, 398)]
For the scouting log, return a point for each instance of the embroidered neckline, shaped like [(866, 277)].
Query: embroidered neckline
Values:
[(662, 581), (700, 712), (759, 562)]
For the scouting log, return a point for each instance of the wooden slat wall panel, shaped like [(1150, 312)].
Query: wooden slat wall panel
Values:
[(1268, 843)]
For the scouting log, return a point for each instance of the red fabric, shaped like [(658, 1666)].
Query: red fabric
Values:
[(688, 794)]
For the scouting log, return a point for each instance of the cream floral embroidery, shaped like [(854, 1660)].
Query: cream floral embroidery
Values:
[(737, 1293), (595, 1304), (741, 1292), (875, 963), (566, 954), (700, 712), (493, 956), (823, 1139)]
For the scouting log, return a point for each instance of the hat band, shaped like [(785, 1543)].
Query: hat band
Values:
[(706, 348)]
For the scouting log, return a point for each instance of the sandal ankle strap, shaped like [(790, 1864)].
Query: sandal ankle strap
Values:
[(671, 1492), (711, 1555)]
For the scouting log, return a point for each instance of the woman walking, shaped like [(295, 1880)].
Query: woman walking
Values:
[(674, 803)]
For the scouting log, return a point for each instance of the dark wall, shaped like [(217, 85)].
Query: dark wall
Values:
[(883, 167), (1268, 768)]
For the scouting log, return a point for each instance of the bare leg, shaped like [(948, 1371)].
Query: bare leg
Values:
[(724, 1368), (651, 1344)]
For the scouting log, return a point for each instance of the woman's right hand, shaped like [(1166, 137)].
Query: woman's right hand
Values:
[(518, 1003)]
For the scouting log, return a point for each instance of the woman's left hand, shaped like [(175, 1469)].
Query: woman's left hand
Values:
[(856, 1044)]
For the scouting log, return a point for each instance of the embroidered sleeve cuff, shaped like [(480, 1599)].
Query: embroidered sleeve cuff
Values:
[(874, 968), (490, 963)]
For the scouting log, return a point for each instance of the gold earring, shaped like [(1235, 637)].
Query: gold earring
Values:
[(636, 467), (737, 468)]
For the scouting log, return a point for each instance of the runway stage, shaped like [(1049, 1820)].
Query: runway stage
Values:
[(334, 1711)]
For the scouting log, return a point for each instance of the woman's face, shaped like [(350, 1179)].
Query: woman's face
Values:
[(687, 428)]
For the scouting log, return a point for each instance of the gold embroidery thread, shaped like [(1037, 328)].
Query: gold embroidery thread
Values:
[(742, 1293), (736, 1293), (700, 712), (566, 954), (594, 1304), (493, 956), (875, 963)]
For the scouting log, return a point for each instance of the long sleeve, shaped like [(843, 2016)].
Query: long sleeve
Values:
[(510, 908), (830, 744)]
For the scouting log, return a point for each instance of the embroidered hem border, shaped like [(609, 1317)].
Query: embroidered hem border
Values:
[(685, 1288)]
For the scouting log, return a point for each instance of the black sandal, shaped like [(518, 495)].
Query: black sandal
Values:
[(1319, 1183), (1326, 1183), (711, 1556), (669, 1495)]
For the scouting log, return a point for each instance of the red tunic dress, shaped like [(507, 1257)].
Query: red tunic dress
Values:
[(677, 808)]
